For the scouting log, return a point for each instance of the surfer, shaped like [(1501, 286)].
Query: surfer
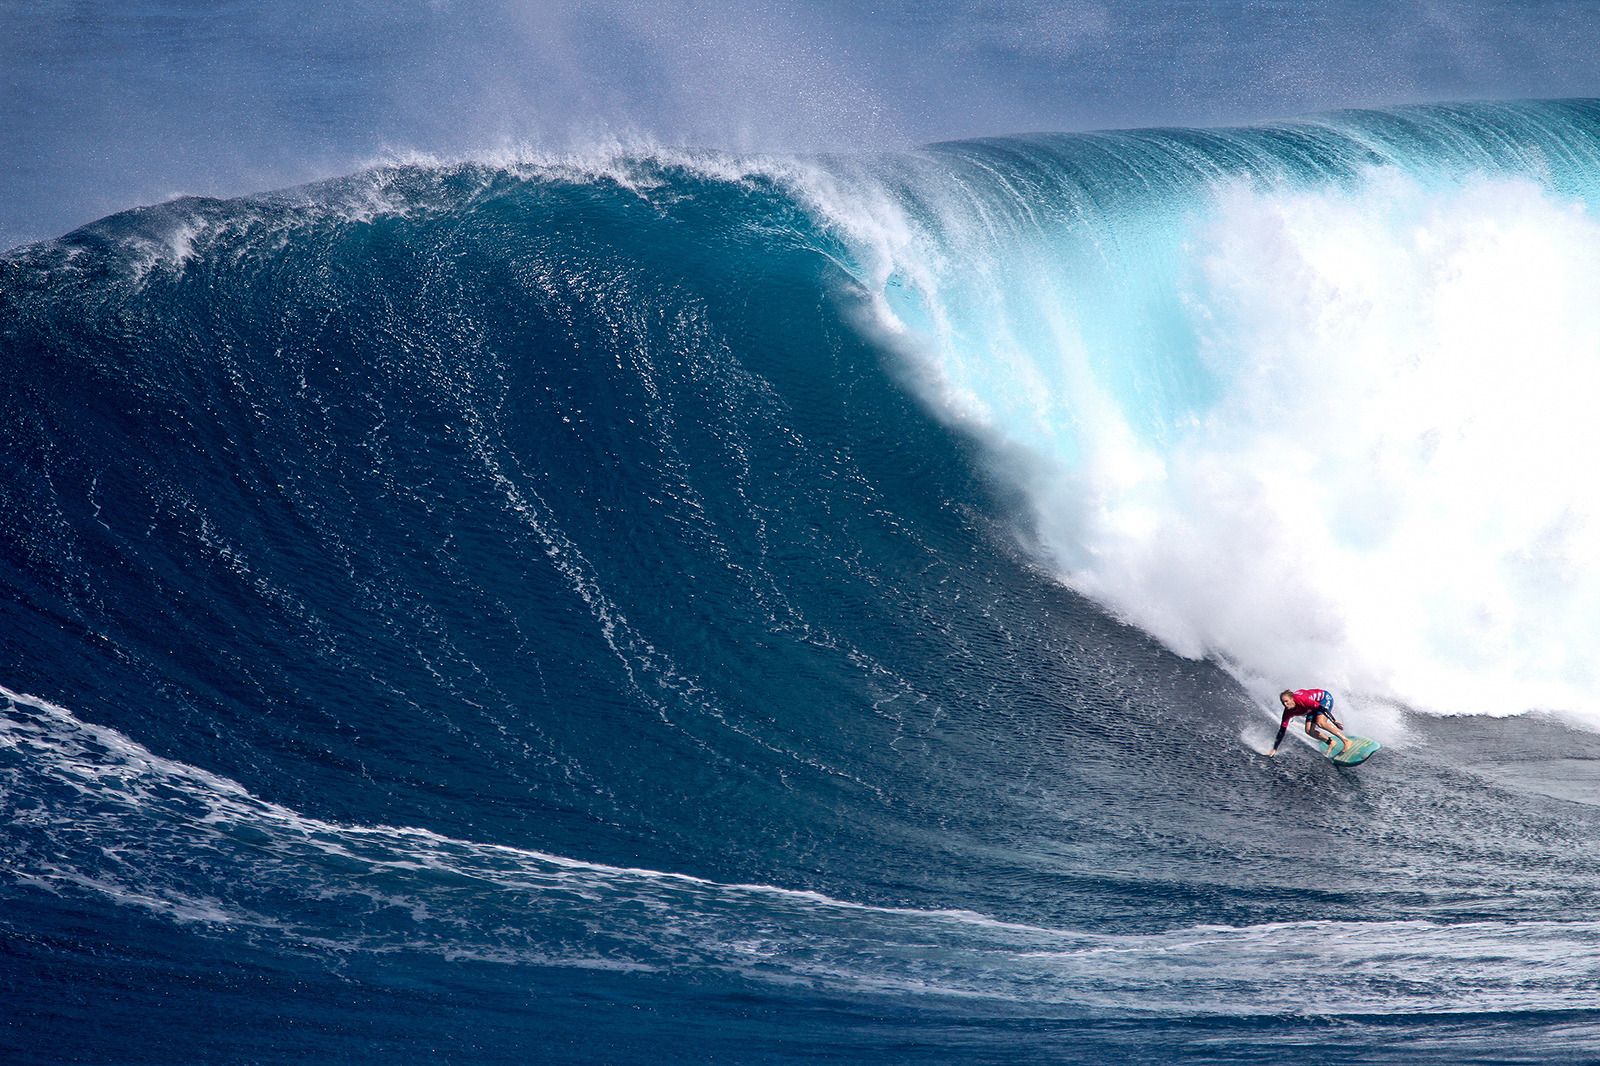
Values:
[(1317, 705)]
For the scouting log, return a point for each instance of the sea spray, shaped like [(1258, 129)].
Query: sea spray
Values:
[(1307, 400)]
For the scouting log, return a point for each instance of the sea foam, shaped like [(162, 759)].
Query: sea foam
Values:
[(1320, 414)]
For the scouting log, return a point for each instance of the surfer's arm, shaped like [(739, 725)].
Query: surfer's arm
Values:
[(1283, 727)]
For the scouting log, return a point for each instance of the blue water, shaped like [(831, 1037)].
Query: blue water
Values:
[(607, 610)]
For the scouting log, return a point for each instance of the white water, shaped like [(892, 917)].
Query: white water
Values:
[(1334, 436)]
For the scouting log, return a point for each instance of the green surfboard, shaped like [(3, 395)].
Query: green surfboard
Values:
[(1358, 751)]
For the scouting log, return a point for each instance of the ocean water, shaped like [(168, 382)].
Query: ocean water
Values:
[(671, 606)]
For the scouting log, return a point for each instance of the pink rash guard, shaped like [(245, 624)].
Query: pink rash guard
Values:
[(1309, 702)]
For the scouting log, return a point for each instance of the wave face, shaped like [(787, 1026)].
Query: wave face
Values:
[(674, 607)]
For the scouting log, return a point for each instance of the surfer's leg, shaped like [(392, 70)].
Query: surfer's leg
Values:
[(1326, 722), (1316, 733)]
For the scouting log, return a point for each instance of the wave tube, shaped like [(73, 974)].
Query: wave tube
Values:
[(1310, 399)]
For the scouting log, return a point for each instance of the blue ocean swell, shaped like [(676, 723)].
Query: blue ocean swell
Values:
[(492, 579), (469, 516)]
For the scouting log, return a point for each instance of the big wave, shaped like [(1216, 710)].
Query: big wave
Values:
[(668, 563)]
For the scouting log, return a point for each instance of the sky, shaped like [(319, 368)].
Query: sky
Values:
[(109, 104)]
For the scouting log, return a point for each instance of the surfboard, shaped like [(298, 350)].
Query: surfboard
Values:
[(1358, 751)]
